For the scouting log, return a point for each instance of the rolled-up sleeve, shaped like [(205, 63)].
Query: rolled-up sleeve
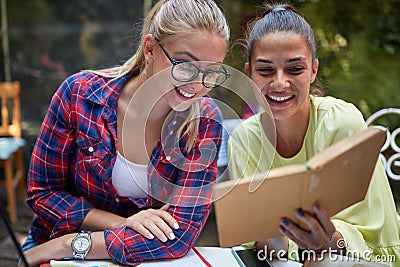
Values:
[(49, 172)]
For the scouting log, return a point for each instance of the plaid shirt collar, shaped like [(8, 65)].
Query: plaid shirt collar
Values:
[(107, 94)]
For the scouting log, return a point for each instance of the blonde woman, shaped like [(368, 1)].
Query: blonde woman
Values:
[(122, 165)]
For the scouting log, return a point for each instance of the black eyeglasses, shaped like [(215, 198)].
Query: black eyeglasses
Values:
[(183, 71)]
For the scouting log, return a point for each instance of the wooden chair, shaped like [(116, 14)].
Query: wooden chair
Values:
[(11, 145)]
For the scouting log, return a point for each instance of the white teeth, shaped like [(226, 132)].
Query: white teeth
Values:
[(185, 94), (279, 98)]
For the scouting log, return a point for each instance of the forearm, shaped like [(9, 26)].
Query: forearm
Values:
[(98, 220), (60, 248), (127, 246)]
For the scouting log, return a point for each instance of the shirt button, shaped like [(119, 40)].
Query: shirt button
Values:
[(117, 200), (168, 158), (91, 149), (171, 132), (174, 122)]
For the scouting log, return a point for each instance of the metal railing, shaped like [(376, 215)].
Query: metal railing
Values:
[(391, 162)]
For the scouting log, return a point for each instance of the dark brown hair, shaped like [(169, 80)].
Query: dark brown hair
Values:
[(281, 18)]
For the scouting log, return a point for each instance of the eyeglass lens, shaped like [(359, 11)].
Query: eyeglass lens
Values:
[(186, 72)]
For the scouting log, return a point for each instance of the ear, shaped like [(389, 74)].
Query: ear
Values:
[(149, 44), (314, 70), (247, 69)]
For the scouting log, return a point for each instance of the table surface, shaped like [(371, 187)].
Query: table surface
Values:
[(222, 257)]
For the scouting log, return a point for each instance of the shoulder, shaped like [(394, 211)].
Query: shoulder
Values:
[(81, 79), (335, 119), (336, 112), (332, 104)]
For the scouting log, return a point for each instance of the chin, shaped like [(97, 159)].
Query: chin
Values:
[(179, 107), (281, 114)]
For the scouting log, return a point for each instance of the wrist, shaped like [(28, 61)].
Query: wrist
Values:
[(326, 247), (118, 223), (81, 245), (339, 244), (66, 246), (57, 248), (99, 220)]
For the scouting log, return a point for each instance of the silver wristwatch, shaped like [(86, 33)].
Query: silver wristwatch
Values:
[(81, 245)]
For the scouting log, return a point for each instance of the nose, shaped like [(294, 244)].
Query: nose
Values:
[(197, 82), (195, 85), (279, 80)]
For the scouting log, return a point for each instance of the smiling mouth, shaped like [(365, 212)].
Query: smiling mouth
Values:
[(184, 93), (280, 99)]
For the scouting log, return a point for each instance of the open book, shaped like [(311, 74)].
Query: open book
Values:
[(338, 177)]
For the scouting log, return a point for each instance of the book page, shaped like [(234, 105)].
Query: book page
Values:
[(83, 263), (191, 259)]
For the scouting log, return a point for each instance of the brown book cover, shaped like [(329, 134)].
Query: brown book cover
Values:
[(339, 177)]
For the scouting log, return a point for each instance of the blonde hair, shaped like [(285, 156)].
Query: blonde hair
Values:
[(169, 18)]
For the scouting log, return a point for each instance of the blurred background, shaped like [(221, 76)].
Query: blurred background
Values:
[(44, 41)]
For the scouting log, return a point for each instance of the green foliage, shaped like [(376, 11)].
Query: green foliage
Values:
[(359, 50), (358, 44)]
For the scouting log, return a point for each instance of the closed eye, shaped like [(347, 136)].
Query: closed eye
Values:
[(265, 71), (295, 70)]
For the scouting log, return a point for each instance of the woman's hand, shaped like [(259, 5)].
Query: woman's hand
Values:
[(57, 248), (152, 223), (321, 234), (273, 247)]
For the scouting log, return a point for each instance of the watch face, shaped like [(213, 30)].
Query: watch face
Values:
[(81, 244)]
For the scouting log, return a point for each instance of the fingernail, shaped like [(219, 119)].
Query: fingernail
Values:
[(151, 236), (164, 238), (300, 212), (282, 229), (285, 222), (176, 226), (171, 236)]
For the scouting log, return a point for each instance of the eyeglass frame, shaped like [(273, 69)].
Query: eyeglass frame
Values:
[(176, 62)]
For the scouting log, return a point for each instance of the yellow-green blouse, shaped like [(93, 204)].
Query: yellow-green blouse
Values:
[(370, 226)]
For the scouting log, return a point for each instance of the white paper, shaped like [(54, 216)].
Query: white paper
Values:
[(190, 260), (80, 263)]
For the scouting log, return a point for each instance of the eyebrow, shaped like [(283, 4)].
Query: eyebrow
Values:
[(288, 61), (193, 56), (188, 54), (296, 59)]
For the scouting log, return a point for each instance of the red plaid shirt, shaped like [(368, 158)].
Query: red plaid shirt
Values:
[(72, 162)]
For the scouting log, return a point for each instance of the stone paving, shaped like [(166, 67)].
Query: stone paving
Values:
[(8, 253)]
